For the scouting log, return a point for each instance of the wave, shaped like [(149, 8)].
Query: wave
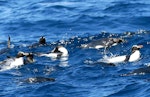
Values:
[(61, 3), (79, 70), (3, 2), (72, 23), (126, 90), (74, 14), (58, 5), (125, 7)]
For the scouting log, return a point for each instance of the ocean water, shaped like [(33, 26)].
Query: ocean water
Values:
[(71, 23)]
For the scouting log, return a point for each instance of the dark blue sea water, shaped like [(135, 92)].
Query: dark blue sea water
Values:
[(72, 23)]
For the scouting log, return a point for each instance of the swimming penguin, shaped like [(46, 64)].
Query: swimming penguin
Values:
[(103, 43), (134, 56), (57, 52), (39, 79), (139, 71), (42, 42), (12, 62)]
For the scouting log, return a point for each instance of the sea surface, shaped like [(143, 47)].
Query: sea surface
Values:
[(71, 23)]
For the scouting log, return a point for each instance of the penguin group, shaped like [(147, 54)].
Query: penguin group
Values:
[(24, 57), (60, 51)]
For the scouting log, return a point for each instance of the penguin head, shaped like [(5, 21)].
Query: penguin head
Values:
[(42, 40), (118, 40), (136, 47)]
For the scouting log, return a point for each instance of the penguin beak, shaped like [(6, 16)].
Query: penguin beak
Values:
[(122, 40), (26, 54), (139, 46)]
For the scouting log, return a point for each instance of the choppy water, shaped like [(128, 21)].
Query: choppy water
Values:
[(72, 23)]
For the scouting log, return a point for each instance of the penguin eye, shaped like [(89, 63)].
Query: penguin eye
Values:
[(120, 40), (135, 48)]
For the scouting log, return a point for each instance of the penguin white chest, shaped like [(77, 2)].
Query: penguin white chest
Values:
[(135, 56), (17, 62)]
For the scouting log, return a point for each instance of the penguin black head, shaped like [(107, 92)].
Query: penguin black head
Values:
[(42, 40), (118, 40), (20, 54), (136, 47)]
